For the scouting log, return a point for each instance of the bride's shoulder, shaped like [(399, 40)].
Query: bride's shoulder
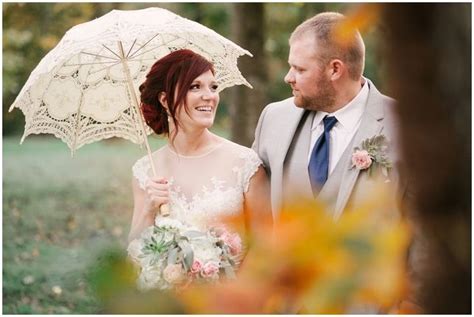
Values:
[(240, 151), (246, 163), (142, 167), (140, 170)]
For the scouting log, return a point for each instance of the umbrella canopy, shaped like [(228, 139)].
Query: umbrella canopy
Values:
[(84, 90)]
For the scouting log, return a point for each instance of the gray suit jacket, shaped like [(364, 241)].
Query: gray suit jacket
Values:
[(282, 140)]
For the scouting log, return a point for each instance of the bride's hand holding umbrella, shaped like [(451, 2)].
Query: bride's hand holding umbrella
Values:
[(157, 195)]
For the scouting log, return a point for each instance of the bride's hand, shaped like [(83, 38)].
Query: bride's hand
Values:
[(157, 193)]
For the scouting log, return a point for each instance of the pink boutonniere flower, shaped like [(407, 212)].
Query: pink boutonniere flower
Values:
[(373, 152), (361, 159)]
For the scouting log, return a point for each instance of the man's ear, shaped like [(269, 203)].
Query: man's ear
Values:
[(336, 69)]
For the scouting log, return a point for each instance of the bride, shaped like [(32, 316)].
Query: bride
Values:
[(202, 177)]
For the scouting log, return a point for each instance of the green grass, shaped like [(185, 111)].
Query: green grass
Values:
[(59, 214)]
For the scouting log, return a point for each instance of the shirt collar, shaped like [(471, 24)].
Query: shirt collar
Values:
[(349, 115)]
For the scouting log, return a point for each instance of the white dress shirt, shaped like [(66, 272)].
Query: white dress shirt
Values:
[(348, 121)]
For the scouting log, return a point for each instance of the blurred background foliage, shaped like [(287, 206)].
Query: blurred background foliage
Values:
[(30, 30)]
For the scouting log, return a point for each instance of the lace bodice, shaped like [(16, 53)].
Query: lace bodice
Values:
[(204, 188)]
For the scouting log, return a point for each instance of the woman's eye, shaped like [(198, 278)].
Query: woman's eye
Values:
[(214, 87), (195, 86)]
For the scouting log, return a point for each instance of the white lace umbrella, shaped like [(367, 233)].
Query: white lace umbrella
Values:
[(84, 90)]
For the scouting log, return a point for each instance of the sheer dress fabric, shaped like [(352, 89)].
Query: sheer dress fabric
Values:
[(204, 188)]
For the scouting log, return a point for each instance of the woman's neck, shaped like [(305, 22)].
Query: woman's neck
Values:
[(192, 143)]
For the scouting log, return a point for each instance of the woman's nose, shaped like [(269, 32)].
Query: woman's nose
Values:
[(208, 94)]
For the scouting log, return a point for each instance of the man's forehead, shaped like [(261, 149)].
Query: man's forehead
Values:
[(307, 36), (304, 47), (304, 43)]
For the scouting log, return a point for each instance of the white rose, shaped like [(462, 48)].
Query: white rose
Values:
[(150, 278), (135, 250), (174, 274), (169, 222), (205, 250)]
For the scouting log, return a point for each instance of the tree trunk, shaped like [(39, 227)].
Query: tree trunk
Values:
[(248, 32), (429, 51)]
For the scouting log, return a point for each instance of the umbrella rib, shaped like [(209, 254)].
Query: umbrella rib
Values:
[(99, 70), (133, 44), (133, 55), (98, 55), (146, 43), (143, 59), (112, 52), (98, 63), (151, 49), (144, 52)]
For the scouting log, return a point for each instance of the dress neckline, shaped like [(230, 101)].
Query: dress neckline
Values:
[(196, 156)]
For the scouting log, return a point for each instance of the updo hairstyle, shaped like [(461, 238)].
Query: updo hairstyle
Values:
[(173, 74)]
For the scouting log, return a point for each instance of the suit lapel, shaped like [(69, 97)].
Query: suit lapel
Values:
[(288, 126), (295, 167), (371, 125), (287, 136)]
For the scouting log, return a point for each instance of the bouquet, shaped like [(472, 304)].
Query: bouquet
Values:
[(172, 255)]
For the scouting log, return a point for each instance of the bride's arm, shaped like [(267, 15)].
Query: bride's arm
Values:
[(257, 203), (141, 217), (145, 204)]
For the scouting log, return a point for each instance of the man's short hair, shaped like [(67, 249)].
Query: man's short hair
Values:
[(324, 27)]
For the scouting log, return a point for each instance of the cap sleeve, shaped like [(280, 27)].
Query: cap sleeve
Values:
[(251, 162), (140, 171)]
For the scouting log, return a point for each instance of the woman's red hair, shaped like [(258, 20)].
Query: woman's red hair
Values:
[(173, 75)]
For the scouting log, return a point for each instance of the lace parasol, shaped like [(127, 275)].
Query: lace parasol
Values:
[(84, 90)]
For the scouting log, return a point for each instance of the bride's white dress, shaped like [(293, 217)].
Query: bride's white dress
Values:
[(204, 191), (204, 188)]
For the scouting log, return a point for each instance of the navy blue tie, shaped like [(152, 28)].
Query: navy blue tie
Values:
[(319, 161)]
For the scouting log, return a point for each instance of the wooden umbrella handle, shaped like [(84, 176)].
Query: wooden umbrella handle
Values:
[(164, 208)]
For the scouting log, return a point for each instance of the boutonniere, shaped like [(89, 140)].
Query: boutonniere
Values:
[(372, 153)]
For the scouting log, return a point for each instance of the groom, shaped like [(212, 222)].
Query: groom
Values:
[(307, 142)]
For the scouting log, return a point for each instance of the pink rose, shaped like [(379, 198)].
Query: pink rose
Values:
[(174, 274), (361, 159), (210, 269), (233, 241), (219, 230), (196, 267)]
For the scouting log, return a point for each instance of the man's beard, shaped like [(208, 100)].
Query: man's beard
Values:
[(324, 100)]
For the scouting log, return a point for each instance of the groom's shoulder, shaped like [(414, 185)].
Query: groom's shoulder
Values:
[(282, 107), (388, 105), (381, 98), (388, 101)]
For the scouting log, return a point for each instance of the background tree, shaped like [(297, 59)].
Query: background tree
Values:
[(248, 29), (429, 54)]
